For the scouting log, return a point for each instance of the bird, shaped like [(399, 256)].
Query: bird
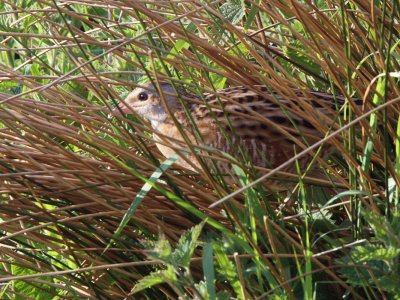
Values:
[(264, 127)]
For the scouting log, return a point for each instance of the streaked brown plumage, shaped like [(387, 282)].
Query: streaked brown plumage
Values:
[(269, 127)]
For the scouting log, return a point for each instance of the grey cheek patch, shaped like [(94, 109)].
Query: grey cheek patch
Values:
[(120, 108)]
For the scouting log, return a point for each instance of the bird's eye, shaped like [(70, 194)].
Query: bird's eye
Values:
[(143, 96)]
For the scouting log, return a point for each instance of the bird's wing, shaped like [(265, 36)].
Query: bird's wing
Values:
[(263, 122), (253, 113)]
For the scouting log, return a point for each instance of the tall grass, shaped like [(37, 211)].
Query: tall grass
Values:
[(91, 210)]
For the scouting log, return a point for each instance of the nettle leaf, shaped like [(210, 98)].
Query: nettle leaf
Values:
[(201, 287), (374, 252), (386, 232), (233, 10), (360, 274), (372, 274), (223, 295), (390, 283), (227, 268), (395, 224), (377, 223), (186, 245), (154, 279), (161, 249)]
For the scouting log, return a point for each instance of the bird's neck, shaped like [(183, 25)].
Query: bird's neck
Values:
[(158, 121), (155, 123)]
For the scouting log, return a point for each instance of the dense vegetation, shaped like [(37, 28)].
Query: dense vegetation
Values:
[(89, 209)]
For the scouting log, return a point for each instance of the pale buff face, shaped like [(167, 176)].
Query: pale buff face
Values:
[(147, 102)]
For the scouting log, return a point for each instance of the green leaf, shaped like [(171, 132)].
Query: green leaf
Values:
[(145, 189), (186, 245), (161, 249), (233, 10), (398, 154), (227, 268), (390, 283), (153, 279), (361, 274), (383, 230), (251, 16), (143, 192), (251, 200), (181, 43), (208, 269), (373, 122), (31, 289), (374, 252), (297, 53)]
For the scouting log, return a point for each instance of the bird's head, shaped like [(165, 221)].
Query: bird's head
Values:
[(147, 102)]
